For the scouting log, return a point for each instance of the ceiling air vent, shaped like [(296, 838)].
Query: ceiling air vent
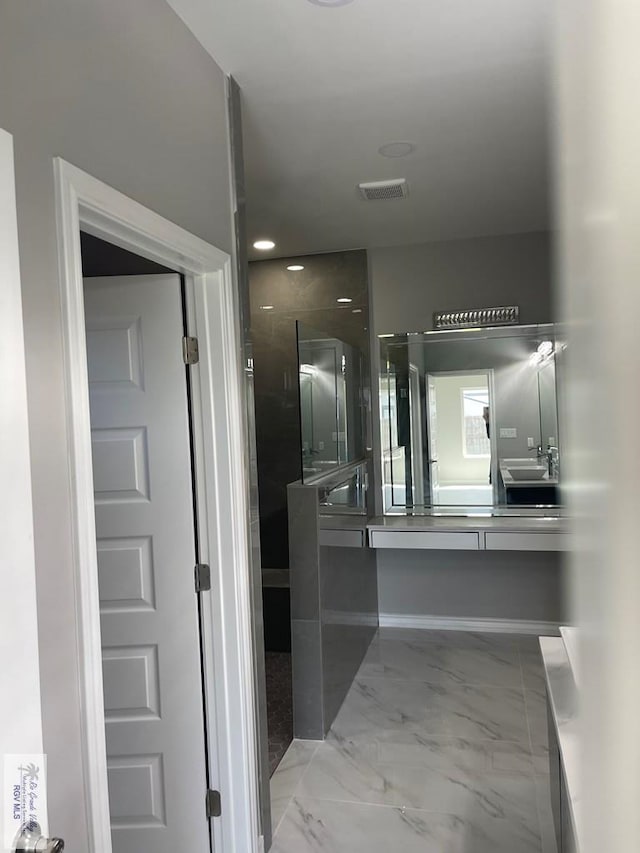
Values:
[(383, 190)]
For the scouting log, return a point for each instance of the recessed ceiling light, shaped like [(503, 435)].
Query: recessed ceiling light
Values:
[(264, 245), (295, 267), (266, 307), (330, 2), (344, 299), (357, 311), (397, 149)]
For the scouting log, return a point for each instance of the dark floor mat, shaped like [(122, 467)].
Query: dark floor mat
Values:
[(279, 706)]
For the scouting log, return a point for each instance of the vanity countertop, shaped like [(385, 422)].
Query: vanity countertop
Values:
[(494, 523), (563, 699)]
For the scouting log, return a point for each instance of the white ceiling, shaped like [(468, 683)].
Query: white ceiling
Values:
[(324, 88)]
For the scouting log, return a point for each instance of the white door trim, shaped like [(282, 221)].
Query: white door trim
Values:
[(20, 720), (85, 202)]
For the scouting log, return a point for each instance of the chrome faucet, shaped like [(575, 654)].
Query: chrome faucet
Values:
[(548, 456)]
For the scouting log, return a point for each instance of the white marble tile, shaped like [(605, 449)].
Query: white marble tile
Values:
[(540, 758), (532, 669), (475, 640), (317, 826), (440, 663), (536, 705), (480, 756), (528, 643), (447, 753), (431, 752), (473, 712), (449, 776), (545, 814), (287, 776)]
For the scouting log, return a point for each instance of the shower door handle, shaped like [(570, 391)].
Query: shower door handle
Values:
[(31, 840)]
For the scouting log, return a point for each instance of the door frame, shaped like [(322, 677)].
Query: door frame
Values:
[(84, 202), (489, 372), (20, 721)]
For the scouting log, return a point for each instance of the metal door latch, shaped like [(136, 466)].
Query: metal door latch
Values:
[(31, 840)]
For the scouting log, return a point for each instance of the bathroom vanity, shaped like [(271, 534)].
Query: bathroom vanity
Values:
[(472, 533), (529, 481), (469, 529)]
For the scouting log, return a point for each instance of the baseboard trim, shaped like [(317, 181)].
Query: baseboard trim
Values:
[(454, 623), (341, 617)]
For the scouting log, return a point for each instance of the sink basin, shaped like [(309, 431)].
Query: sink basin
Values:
[(533, 472), (524, 462)]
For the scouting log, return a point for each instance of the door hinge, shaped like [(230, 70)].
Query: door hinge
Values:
[(202, 577), (190, 350), (213, 803)]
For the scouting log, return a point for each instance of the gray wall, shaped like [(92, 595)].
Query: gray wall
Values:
[(479, 585), (409, 283), (125, 92)]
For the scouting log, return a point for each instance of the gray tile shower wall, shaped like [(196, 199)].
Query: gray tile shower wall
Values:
[(334, 608), (348, 619), (309, 295)]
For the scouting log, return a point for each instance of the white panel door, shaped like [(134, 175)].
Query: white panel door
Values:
[(146, 556)]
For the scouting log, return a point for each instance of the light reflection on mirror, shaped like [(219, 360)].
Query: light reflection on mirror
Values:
[(331, 413)]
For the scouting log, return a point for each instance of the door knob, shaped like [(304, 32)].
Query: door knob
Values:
[(31, 840)]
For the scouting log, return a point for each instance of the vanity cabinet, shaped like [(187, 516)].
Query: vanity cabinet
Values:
[(425, 539), (523, 541), (467, 534)]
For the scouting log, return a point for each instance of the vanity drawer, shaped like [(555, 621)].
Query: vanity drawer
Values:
[(526, 541), (342, 538), (425, 539)]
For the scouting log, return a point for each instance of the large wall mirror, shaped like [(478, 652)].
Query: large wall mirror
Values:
[(469, 419), (331, 412)]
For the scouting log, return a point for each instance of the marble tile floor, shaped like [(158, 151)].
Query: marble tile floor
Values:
[(439, 747)]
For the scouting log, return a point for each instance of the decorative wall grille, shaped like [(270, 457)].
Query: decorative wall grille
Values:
[(506, 316)]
